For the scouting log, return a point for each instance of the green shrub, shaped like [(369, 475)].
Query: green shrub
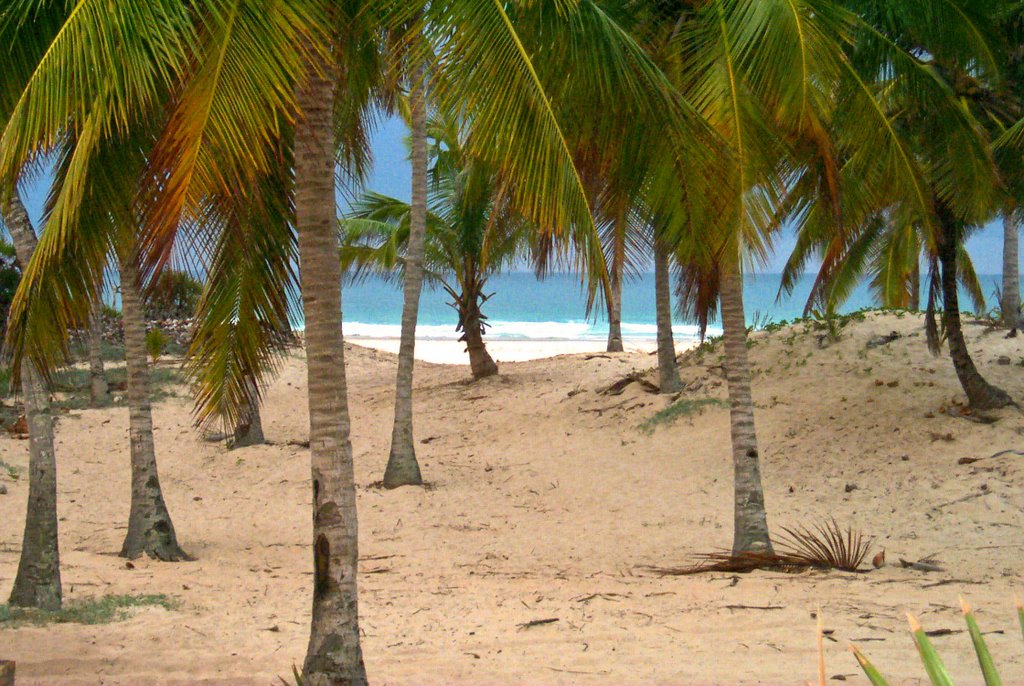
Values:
[(680, 408), (156, 341)]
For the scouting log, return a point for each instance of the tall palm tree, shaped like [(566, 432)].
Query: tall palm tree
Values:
[(1012, 168), (99, 389), (616, 234), (37, 582), (334, 654), (402, 468), (1010, 305), (935, 90), (471, 234), (668, 372), (812, 140), (150, 529)]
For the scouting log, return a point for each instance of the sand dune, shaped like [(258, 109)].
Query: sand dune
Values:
[(546, 501)]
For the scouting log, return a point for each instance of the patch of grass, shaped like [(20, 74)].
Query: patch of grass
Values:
[(11, 470), (102, 610), (110, 352), (74, 384), (680, 408)]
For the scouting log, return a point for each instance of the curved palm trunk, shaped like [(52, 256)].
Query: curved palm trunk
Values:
[(480, 361), (99, 390), (614, 300), (334, 656), (750, 522), (150, 529), (403, 469), (668, 374), (37, 582), (1011, 272), (980, 393)]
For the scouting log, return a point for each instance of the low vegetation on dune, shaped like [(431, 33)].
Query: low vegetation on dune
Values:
[(101, 610)]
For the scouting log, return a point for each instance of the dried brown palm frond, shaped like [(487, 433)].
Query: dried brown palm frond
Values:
[(727, 561), (826, 546)]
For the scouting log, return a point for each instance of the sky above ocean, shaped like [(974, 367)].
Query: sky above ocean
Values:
[(392, 175)]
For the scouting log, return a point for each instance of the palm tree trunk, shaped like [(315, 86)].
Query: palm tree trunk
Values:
[(480, 361), (980, 393), (1011, 271), (915, 286), (615, 301), (403, 469), (750, 522), (334, 655), (37, 582), (99, 390), (250, 432), (668, 374), (150, 529)]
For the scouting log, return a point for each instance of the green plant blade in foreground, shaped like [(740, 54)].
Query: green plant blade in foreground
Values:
[(1020, 614), (873, 675), (988, 668), (937, 673)]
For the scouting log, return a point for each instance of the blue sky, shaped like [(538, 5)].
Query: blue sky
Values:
[(392, 175)]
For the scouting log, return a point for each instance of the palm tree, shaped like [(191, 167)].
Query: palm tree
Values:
[(471, 234), (37, 582), (615, 240), (668, 372), (99, 390), (402, 468), (811, 139), (1010, 305), (334, 654), (935, 87), (150, 529)]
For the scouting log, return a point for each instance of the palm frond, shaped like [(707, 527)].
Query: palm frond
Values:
[(244, 317)]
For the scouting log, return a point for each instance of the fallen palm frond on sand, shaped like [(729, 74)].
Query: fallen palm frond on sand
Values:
[(823, 546)]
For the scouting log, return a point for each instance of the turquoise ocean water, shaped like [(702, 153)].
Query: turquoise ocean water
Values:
[(524, 308)]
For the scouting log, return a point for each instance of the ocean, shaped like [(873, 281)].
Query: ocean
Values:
[(525, 308)]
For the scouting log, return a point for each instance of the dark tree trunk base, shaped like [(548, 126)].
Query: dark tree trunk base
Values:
[(250, 433), (6, 673), (403, 469), (481, 363), (152, 533)]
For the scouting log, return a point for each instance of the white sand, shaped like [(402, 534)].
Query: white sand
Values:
[(547, 502), (453, 352)]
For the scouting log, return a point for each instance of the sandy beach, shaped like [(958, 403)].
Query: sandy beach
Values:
[(549, 501), (453, 352)]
